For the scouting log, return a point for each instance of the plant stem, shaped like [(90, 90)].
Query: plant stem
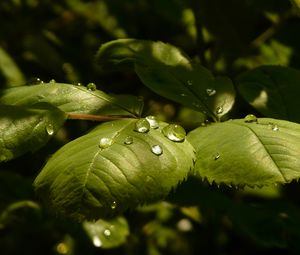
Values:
[(99, 118)]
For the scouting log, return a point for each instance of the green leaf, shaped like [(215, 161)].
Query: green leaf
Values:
[(24, 129), (73, 99), (10, 70), (113, 168), (107, 233), (273, 91), (170, 73), (248, 153)]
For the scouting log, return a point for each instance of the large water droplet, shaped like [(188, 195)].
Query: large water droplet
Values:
[(219, 110), (250, 118), (128, 140), (96, 241), (105, 142), (107, 232), (189, 82), (113, 205), (152, 121), (52, 81), (174, 132), (50, 129), (142, 126), (157, 150), (210, 92), (217, 156), (91, 86)]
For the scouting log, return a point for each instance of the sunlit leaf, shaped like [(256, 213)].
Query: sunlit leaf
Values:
[(73, 99), (170, 73), (116, 166), (24, 129), (253, 153)]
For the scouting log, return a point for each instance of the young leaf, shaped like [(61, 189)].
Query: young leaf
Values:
[(241, 152), (273, 91), (24, 129), (113, 168), (170, 73), (73, 99), (107, 233)]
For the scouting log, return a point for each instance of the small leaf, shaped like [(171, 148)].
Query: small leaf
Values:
[(242, 153), (24, 129), (73, 99), (273, 91), (107, 233), (170, 73), (102, 174)]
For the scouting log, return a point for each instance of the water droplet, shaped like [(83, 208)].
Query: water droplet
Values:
[(190, 82), (250, 118), (217, 156), (152, 121), (183, 95), (113, 205), (219, 110), (128, 140), (50, 129), (52, 81), (91, 86), (174, 132), (96, 241), (275, 128), (142, 126), (35, 81), (210, 92), (107, 233), (157, 150), (77, 83), (105, 142)]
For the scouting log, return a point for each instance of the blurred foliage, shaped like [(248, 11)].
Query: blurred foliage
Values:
[(59, 39)]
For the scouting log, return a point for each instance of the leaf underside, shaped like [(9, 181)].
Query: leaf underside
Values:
[(85, 181), (73, 99), (253, 154)]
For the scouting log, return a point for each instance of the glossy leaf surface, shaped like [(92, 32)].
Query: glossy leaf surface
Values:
[(24, 129), (73, 99), (244, 153), (170, 73), (113, 168)]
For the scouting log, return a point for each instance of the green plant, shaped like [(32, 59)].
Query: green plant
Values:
[(192, 161)]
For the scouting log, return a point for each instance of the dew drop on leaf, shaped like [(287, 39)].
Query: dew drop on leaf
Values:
[(250, 118), (142, 126), (52, 81), (190, 82), (35, 81), (49, 129), (96, 241), (157, 150), (152, 121), (219, 110), (275, 128), (217, 156), (107, 233), (105, 142), (91, 86), (174, 132), (210, 92), (183, 95), (113, 205), (128, 140)]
